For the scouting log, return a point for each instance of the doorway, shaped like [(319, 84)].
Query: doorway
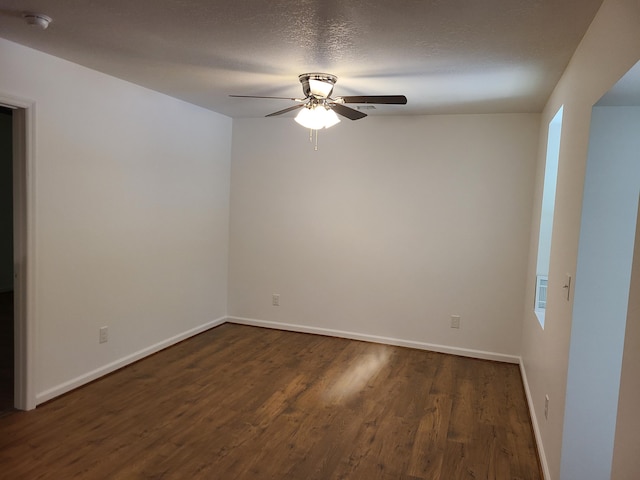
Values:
[(7, 335), (17, 173), (603, 279)]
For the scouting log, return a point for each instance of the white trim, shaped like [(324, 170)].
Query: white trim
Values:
[(123, 362), (534, 423), (465, 352)]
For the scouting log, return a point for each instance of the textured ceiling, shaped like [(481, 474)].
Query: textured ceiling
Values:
[(446, 56)]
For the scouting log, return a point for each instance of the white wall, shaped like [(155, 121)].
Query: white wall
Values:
[(626, 461), (131, 216), (393, 225), (609, 49), (605, 252)]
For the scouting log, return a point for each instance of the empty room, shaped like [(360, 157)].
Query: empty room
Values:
[(320, 239)]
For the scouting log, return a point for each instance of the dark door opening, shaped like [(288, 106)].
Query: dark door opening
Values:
[(6, 263)]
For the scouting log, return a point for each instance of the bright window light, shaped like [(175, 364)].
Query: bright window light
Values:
[(546, 215)]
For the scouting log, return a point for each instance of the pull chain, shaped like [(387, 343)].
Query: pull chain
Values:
[(311, 130)]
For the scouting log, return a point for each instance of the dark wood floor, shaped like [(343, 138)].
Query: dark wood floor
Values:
[(240, 402)]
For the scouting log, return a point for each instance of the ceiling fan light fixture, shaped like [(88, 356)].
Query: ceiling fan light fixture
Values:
[(320, 88), (317, 85), (317, 117), (330, 118), (318, 110)]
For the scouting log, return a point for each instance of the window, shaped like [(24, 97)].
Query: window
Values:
[(541, 292), (546, 214)]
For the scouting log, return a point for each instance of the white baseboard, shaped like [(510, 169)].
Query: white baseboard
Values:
[(122, 362), (377, 339), (534, 422)]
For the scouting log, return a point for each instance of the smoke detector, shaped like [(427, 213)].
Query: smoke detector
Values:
[(37, 20)]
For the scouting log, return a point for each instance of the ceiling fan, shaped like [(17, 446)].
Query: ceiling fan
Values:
[(318, 108)]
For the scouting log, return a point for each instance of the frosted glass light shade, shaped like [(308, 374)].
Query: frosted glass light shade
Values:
[(317, 117), (320, 88), (330, 118)]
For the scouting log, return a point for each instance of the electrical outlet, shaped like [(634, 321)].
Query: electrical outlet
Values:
[(546, 407), (104, 334), (455, 321), (275, 299)]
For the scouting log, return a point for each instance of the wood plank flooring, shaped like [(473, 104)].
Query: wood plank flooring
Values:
[(240, 402)]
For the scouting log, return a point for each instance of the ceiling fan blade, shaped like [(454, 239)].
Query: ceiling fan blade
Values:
[(379, 99), (280, 112), (258, 96), (347, 112)]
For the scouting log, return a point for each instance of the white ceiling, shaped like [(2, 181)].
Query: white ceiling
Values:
[(446, 56)]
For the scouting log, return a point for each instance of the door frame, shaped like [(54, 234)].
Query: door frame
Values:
[(23, 249)]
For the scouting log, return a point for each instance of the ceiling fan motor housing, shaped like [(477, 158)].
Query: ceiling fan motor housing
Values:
[(317, 85)]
